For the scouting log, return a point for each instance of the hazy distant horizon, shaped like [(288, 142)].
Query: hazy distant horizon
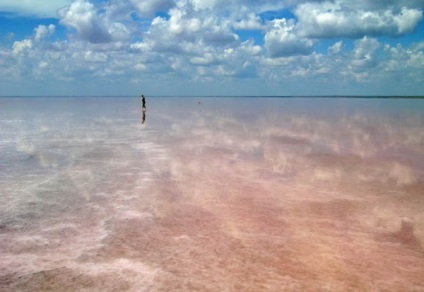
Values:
[(216, 96)]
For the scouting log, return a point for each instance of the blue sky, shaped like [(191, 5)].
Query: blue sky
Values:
[(211, 47)]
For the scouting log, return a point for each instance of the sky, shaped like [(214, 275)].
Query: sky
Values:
[(211, 47)]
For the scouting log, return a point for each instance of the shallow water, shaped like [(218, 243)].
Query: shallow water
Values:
[(211, 194)]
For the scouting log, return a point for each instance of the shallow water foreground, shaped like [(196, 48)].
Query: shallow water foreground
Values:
[(211, 194)]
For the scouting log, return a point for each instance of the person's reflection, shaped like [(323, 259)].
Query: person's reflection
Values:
[(143, 116), (143, 109)]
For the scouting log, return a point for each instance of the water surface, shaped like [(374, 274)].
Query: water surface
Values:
[(211, 194)]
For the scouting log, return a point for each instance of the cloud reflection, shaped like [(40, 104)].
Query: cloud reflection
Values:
[(229, 194)]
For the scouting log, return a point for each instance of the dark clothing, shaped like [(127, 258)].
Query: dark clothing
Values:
[(143, 109), (143, 101)]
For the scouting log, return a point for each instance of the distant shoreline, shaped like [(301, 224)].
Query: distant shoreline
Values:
[(223, 96)]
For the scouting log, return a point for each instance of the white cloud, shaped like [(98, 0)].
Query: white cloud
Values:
[(281, 40), (92, 26), (386, 4), (364, 58), (206, 59), (125, 9), (148, 8), (338, 19), (196, 44), (139, 46), (21, 46), (44, 8), (91, 56), (181, 22), (407, 20), (43, 31), (336, 48), (405, 63), (187, 31), (252, 21)]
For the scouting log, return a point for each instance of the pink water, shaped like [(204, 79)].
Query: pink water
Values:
[(211, 194)]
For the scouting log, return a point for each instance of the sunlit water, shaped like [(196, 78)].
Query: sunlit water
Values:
[(211, 194)]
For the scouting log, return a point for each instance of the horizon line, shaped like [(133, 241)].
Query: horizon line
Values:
[(218, 96)]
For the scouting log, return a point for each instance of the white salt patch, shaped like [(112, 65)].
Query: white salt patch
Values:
[(131, 214)]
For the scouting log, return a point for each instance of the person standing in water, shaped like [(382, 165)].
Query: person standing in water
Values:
[(143, 102), (143, 109)]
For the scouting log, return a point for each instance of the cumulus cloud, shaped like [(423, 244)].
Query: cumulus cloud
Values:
[(45, 8), (203, 41), (281, 40), (148, 8), (91, 25), (187, 31), (335, 19), (43, 31), (405, 62), (251, 21), (240, 62), (336, 48), (364, 57), (123, 9), (387, 4), (21, 46)]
